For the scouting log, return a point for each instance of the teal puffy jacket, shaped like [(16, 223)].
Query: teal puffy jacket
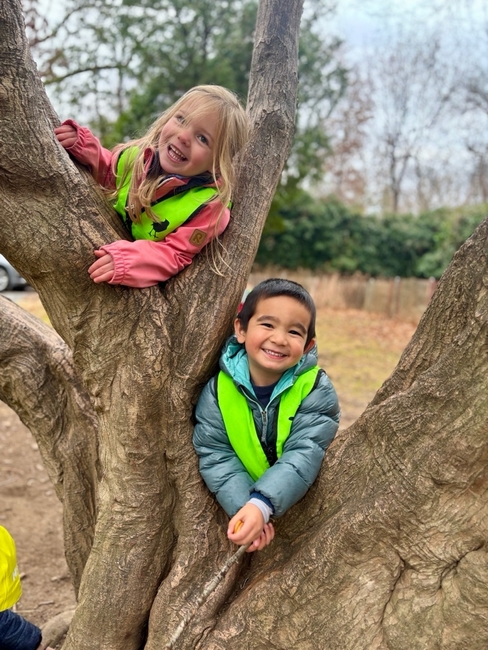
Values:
[(314, 428)]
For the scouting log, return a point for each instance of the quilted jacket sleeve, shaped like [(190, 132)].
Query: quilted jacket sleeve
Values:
[(314, 427), (220, 467)]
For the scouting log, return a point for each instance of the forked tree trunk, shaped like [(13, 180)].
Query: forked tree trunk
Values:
[(386, 551)]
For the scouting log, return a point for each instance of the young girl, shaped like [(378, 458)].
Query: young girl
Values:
[(171, 188)]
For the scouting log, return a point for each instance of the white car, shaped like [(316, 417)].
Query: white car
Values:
[(9, 278)]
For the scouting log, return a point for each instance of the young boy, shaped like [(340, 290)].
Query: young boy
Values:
[(15, 632), (264, 422)]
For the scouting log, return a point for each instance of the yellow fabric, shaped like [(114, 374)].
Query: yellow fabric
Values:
[(10, 587)]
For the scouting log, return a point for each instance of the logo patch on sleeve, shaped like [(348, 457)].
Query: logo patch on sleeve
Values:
[(197, 237)]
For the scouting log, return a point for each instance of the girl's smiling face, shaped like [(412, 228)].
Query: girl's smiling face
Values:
[(186, 144)]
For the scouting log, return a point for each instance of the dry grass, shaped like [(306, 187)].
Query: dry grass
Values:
[(359, 350)]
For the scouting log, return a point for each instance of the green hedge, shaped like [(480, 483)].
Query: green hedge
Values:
[(326, 235)]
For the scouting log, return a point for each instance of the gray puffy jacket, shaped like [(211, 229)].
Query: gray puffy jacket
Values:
[(314, 427)]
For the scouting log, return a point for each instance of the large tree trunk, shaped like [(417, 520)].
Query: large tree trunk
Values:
[(141, 355), (387, 550)]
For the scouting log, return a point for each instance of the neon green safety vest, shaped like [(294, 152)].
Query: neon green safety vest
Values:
[(241, 428), (10, 587), (172, 210)]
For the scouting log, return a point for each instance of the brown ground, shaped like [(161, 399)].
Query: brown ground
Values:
[(31, 512), (359, 351)]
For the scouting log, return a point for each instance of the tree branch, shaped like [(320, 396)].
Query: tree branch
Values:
[(38, 380)]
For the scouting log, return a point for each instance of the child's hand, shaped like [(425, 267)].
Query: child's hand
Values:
[(252, 525), (66, 135), (103, 269), (263, 540)]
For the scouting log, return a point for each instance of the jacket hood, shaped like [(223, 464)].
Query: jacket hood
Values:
[(234, 362)]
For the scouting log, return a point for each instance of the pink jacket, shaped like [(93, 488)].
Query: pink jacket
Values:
[(144, 263)]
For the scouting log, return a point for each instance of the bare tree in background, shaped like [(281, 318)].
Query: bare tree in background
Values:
[(425, 143), (412, 92), (345, 168), (472, 104)]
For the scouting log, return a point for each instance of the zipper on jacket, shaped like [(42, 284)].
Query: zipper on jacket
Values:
[(264, 420), (264, 412)]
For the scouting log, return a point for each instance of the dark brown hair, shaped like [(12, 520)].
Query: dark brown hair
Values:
[(278, 287)]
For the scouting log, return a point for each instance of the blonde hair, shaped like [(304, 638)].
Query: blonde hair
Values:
[(230, 137)]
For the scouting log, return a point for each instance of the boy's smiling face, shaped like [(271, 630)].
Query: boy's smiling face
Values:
[(275, 337)]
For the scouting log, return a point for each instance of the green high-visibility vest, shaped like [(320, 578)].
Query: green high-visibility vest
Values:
[(241, 428), (172, 210)]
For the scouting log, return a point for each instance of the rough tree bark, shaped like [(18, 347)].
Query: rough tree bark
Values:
[(388, 549)]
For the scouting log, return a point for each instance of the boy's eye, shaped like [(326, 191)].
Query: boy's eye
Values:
[(296, 333)]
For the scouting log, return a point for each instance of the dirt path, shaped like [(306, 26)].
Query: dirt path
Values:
[(358, 350), (31, 512)]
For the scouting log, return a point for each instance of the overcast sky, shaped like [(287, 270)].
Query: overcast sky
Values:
[(361, 23)]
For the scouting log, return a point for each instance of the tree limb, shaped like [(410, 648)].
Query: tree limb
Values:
[(38, 380)]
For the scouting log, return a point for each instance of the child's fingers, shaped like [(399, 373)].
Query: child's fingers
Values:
[(238, 526), (239, 532), (103, 258), (231, 527), (64, 128), (96, 265), (258, 544), (265, 538), (106, 277), (268, 533), (101, 268), (67, 141), (102, 274), (252, 525), (104, 266), (66, 135)]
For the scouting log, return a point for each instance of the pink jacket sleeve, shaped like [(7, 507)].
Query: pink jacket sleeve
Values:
[(88, 151), (144, 263)]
